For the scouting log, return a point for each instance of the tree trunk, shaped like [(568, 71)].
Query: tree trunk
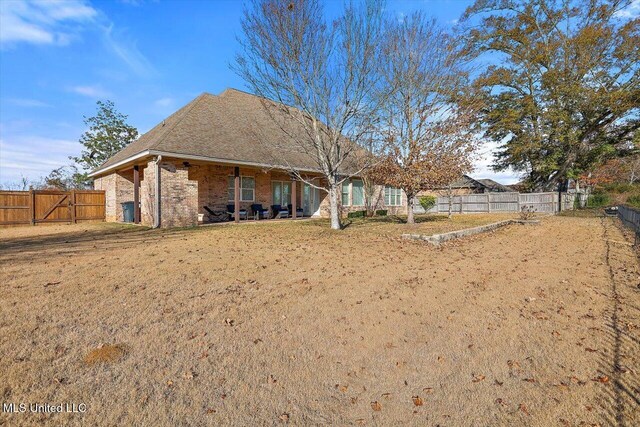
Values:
[(450, 195), (333, 205), (410, 218)]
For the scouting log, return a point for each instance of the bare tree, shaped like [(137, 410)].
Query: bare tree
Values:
[(320, 73), (427, 123)]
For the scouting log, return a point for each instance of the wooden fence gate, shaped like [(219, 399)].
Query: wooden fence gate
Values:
[(47, 206)]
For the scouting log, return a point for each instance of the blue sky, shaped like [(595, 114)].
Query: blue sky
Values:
[(149, 57)]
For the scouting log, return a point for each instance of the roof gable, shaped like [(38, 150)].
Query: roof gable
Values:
[(233, 126)]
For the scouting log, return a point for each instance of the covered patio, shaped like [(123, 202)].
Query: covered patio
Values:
[(175, 191)]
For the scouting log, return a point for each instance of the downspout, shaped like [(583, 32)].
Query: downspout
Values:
[(156, 216)]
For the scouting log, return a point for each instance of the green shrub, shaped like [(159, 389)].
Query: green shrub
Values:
[(381, 212), (357, 214), (598, 200), (634, 201), (427, 202), (619, 187)]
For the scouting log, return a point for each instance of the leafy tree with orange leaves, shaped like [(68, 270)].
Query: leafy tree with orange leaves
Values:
[(427, 121)]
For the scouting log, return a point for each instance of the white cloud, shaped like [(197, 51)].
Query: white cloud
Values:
[(28, 103), (58, 22), (483, 166), (630, 12), (42, 22), (164, 102), (21, 155), (90, 91), (127, 50)]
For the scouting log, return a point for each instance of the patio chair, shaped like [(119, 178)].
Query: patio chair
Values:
[(277, 211), (231, 211), (299, 211), (216, 215), (259, 212)]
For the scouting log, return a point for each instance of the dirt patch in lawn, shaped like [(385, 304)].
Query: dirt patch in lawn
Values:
[(294, 323), (106, 353)]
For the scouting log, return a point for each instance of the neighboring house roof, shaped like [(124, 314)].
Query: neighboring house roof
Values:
[(231, 127), (492, 185), (466, 182), (481, 184)]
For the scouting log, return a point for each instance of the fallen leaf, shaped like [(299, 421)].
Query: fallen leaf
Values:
[(284, 418), (417, 400), (376, 406), (523, 408), (478, 378), (529, 380), (229, 322), (498, 383), (590, 350), (602, 379)]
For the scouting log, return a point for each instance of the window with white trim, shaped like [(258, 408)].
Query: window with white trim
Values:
[(345, 193), (247, 188), (392, 196), (357, 192)]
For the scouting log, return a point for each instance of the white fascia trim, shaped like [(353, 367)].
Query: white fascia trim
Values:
[(147, 153), (120, 163)]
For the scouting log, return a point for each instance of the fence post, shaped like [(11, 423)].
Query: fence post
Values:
[(489, 202), (32, 206), (461, 198), (73, 206)]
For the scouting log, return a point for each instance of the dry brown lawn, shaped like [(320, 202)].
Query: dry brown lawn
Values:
[(268, 324)]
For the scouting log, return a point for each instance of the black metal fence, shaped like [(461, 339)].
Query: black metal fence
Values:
[(630, 218)]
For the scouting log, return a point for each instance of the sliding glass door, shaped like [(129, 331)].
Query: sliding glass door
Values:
[(281, 193)]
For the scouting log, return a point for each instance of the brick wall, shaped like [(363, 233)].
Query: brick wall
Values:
[(186, 190), (118, 188), (178, 196), (378, 196), (147, 195), (213, 186)]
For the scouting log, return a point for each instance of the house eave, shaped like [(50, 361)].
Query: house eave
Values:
[(154, 153)]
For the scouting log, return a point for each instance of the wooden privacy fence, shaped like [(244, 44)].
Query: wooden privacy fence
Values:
[(499, 202), (46, 206)]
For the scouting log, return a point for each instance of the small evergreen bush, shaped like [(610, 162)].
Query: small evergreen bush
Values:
[(357, 214), (427, 202)]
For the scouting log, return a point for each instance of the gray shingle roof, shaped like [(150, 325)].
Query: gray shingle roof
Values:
[(493, 185), (233, 126)]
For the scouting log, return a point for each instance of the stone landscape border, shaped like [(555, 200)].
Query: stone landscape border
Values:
[(436, 239)]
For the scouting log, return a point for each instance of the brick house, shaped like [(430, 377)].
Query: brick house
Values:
[(217, 149)]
